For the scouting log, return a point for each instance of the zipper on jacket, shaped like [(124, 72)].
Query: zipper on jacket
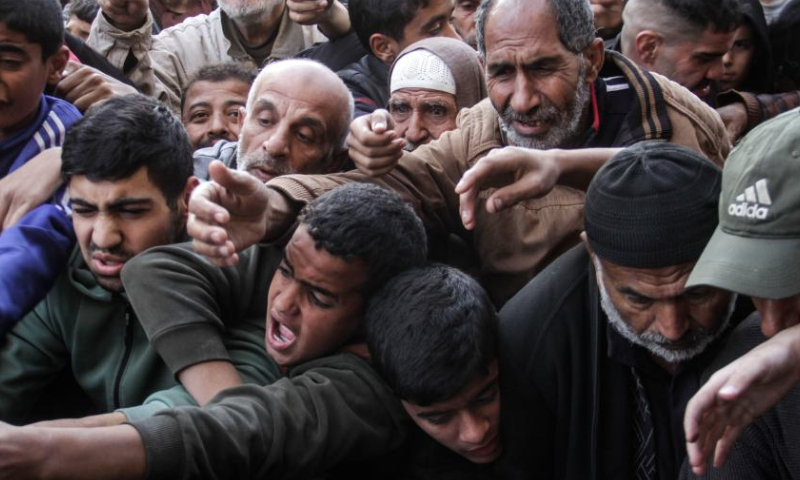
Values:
[(125, 357)]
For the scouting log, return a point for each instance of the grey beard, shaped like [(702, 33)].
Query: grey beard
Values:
[(566, 129), (654, 342)]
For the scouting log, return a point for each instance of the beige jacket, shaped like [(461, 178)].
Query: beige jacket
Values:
[(166, 61), (513, 245)]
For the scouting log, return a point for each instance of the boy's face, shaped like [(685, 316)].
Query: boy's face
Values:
[(116, 220), (314, 304), (23, 75), (469, 423)]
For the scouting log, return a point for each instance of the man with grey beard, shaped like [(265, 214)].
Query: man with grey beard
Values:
[(551, 88), (602, 351), (255, 32), (295, 121)]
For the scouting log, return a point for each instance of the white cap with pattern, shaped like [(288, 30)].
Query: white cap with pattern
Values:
[(422, 69)]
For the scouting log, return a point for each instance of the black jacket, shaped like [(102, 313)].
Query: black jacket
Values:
[(368, 81), (565, 380)]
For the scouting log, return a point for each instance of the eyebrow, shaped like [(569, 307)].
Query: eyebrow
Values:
[(310, 286), (312, 122), (116, 205), (434, 413), (632, 292), (264, 105), (11, 48)]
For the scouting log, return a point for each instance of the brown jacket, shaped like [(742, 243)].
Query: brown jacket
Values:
[(515, 244)]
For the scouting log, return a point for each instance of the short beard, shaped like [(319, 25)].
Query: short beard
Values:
[(248, 12), (260, 158), (696, 340), (566, 128)]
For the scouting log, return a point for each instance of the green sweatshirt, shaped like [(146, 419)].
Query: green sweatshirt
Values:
[(79, 325)]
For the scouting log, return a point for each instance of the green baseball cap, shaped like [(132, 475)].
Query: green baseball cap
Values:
[(755, 249)]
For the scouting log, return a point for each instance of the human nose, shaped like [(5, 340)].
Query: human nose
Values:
[(417, 132), (525, 97), (219, 125), (671, 320), (277, 144), (105, 232), (727, 59), (473, 428), (285, 300), (715, 71)]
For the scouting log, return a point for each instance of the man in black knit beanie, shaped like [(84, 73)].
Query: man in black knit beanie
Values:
[(601, 351)]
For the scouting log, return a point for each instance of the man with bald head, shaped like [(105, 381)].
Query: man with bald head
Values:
[(295, 121)]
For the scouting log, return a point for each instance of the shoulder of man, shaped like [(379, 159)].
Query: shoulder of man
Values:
[(694, 124)]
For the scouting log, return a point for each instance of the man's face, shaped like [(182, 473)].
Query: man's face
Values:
[(421, 115), (736, 63), (314, 303), (211, 111), (115, 220), (291, 129), (651, 308), (430, 21), (463, 19), (78, 27), (469, 423), (23, 76), (777, 315), (697, 65), (538, 87), (607, 14)]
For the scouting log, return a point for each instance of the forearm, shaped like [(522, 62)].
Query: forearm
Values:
[(71, 453), (337, 23), (204, 380), (578, 167)]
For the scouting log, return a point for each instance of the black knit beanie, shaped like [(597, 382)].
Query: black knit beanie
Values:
[(652, 205)]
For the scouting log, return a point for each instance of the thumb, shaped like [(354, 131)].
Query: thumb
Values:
[(380, 121)]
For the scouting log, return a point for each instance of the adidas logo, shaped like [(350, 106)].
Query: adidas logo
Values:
[(751, 203)]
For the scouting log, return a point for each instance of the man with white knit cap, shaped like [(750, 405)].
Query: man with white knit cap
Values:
[(425, 95)]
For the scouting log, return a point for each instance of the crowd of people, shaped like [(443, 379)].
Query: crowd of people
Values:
[(403, 239)]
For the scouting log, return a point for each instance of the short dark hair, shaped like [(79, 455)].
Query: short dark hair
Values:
[(219, 73), (85, 10), (388, 17), (574, 21), (39, 20), (680, 21), (430, 331), (718, 15), (123, 134), (368, 223)]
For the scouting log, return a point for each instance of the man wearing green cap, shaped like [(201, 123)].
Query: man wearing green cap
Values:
[(754, 251)]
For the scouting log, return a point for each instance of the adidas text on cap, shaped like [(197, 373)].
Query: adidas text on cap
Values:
[(755, 250)]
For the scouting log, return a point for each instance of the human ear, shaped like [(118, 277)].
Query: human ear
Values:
[(594, 56), (56, 64), (647, 44), (383, 47)]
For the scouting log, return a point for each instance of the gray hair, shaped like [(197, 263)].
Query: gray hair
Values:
[(573, 17)]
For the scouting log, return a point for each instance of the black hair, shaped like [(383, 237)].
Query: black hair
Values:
[(430, 331), (85, 10), (123, 134), (219, 73), (718, 15), (39, 20), (784, 36), (760, 76), (367, 223), (388, 17)]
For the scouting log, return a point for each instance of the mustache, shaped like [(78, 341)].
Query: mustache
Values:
[(541, 114), (263, 159), (116, 251)]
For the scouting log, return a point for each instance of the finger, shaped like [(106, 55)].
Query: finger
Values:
[(380, 121), (306, 6), (702, 403), (374, 161), (466, 201), (725, 444), (4, 207), (528, 187), (204, 206), (235, 182), (15, 214), (71, 80), (224, 256)]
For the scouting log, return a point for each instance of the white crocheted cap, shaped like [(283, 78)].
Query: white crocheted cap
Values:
[(422, 69)]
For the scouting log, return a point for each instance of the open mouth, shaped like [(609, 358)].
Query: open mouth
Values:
[(530, 127), (107, 265), (262, 174), (279, 337)]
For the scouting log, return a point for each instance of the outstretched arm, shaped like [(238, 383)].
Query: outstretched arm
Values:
[(737, 394), (31, 453)]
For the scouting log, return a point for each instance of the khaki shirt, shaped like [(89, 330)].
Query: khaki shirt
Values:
[(165, 62)]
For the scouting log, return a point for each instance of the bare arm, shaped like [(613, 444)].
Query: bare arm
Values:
[(29, 186), (32, 453), (204, 380)]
